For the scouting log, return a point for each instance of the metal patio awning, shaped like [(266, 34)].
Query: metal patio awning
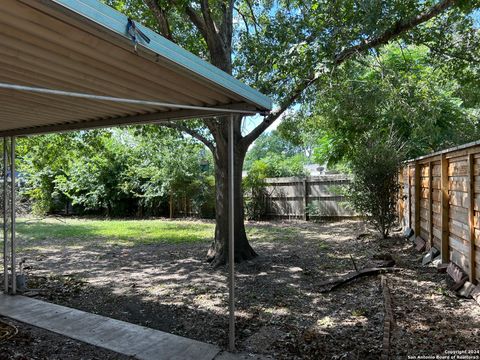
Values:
[(82, 46)]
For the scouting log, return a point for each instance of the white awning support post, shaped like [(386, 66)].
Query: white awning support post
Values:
[(231, 233), (5, 225), (13, 209)]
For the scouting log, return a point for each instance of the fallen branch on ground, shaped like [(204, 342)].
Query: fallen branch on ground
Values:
[(354, 265), (7, 331), (335, 283), (389, 320)]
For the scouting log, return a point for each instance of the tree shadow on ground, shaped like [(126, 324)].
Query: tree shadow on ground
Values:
[(280, 309)]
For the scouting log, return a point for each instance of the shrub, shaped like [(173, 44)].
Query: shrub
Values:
[(203, 199), (255, 194), (375, 164)]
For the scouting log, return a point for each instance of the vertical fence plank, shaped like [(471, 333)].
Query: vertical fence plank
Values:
[(5, 216), (401, 203), (418, 189), (400, 196), (430, 203), (305, 199), (409, 197), (13, 256), (471, 214), (445, 208)]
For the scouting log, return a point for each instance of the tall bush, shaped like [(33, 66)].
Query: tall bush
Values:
[(375, 164), (255, 194)]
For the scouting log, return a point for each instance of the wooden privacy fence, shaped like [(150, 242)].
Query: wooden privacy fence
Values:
[(440, 201), (307, 197)]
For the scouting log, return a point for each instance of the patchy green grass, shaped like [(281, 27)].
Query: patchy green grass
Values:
[(271, 233), (34, 233), (121, 232)]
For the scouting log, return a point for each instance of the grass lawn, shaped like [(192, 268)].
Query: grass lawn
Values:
[(77, 232), (121, 232)]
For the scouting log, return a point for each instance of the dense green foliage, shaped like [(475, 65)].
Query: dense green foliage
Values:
[(286, 42), (272, 155), (268, 144), (137, 171), (255, 193), (373, 191), (408, 91), (400, 89), (125, 172)]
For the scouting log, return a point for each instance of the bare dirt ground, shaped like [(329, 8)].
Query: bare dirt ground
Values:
[(280, 309)]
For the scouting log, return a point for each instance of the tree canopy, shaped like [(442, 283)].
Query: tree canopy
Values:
[(404, 89), (284, 48), (273, 155)]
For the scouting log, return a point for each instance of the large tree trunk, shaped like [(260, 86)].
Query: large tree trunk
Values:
[(218, 252), (217, 30)]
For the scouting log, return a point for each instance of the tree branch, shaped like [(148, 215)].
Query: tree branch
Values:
[(217, 46), (274, 115), (394, 31), (397, 29), (207, 17), (219, 43), (191, 132), (197, 20), (465, 56), (226, 28), (244, 18), (254, 18), (161, 16)]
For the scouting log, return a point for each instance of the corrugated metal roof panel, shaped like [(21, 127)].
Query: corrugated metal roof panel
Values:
[(82, 46)]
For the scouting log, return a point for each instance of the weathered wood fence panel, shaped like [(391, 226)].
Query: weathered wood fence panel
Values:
[(445, 211), (307, 197)]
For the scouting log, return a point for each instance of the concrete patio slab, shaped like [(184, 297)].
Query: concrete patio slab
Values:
[(115, 335)]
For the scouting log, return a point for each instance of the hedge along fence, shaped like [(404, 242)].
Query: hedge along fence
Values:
[(440, 201), (312, 197)]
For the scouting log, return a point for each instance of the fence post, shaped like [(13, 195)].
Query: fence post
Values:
[(5, 215), (445, 208), (430, 203), (401, 201), (417, 198), (471, 214), (305, 199), (410, 202)]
